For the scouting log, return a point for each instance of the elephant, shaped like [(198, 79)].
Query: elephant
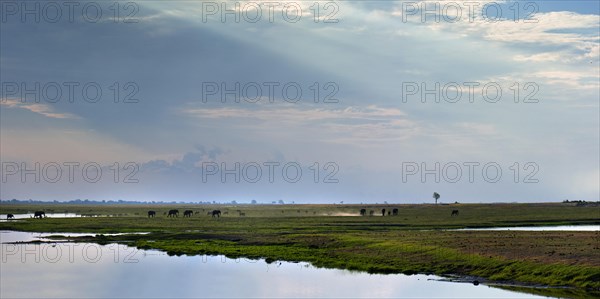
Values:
[(188, 213), (39, 214), (216, 213), (173, 213), (395, 212), (151, 214), (454, 213), (382, 212), (363, 212), (10, 216)]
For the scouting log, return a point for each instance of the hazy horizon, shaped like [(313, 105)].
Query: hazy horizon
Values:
[(353, 101)]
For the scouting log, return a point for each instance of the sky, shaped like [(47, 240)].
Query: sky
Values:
[(300, 101)]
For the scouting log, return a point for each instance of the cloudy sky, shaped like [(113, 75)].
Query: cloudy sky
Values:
[(354, 101)]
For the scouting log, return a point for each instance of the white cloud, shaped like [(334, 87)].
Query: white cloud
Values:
[(546, 56), (558, 29), (41, 109), (290, 114), (356, 125)]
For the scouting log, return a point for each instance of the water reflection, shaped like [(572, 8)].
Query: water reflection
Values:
[(110, 271), (542, 228), (30, 215)]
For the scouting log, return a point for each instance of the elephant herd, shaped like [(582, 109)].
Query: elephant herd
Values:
[(217, 213), (36, 214), (393, 212), (151, 214), (186, 213)]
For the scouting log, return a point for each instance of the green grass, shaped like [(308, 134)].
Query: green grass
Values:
[(412, 242)]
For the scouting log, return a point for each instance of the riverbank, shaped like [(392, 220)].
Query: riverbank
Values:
[(412, 242)]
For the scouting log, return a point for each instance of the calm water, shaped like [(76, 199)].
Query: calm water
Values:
[(90, 270), (30, 215), (543, 228)]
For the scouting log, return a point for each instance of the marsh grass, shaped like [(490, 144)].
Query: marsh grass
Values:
[(415, 241)]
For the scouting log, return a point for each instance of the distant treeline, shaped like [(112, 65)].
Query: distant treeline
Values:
[(582, 202), (253, 202), (115, 202)]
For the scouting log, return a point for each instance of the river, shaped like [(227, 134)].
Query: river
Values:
[(79, 270)]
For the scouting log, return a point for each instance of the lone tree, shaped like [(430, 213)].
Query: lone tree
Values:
[(436, 196)]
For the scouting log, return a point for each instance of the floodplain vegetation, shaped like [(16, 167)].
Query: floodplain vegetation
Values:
[(421, 238)]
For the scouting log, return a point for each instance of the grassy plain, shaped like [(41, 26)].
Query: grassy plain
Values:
[(417, 240)]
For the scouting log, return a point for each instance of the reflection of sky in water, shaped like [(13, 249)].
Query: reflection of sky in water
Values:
[(12, 236), (543, 228), (156, 274), (30, 215)]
